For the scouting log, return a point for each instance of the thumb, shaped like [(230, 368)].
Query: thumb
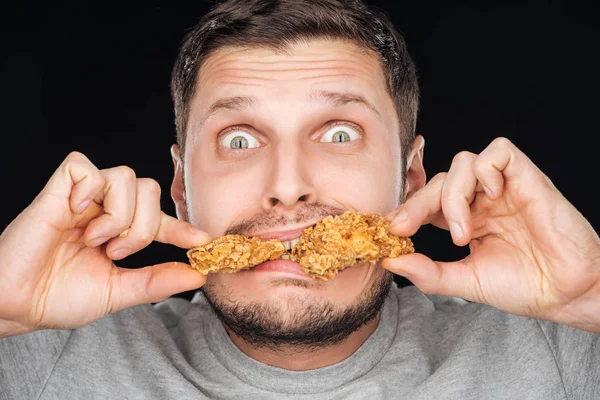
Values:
[(152, 284), (455, 279)]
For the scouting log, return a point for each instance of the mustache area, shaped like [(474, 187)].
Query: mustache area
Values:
[(273, 219)]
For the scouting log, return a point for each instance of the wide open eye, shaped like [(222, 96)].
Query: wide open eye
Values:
[(239, 140), (340, 134)]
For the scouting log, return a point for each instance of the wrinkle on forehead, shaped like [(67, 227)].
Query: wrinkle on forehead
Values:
[(279, 76), (310, 60)]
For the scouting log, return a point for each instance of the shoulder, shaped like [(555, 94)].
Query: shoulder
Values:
[(27, 360), (577, 355), (412, 301), (173, 310), (450, 321)]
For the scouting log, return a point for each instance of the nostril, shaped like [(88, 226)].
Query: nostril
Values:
[(274, 201)]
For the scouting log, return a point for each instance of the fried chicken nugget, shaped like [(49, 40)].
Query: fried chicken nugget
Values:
[(233, 253), (345, 240)]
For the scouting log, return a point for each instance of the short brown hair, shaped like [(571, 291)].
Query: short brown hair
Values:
[(278, 23)]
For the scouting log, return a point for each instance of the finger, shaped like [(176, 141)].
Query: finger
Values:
[(129, 287), (118, 199), (456, 279), (145, 223), (423, 207), (180, 233), (502, 161), (457, 194), (76, 180), (489, 166)]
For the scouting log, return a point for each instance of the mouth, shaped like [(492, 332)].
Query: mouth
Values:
[(282, 267), (284, 264), (288, 237), (289, 244)]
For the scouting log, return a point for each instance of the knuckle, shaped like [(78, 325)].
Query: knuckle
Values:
[(76, 156), (463, 156), (78, 161), (502, 142), (125, 172), (144, 238), (137, 240), (440, 176), (150, 185), (120, 221)]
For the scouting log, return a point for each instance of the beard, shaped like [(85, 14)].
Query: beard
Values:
[(301, 323)]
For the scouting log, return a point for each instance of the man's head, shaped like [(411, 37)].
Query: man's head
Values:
[(288, 111), (276, 24)]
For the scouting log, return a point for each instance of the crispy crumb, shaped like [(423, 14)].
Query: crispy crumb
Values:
[(334, 243), (345, 240), (233, 253)]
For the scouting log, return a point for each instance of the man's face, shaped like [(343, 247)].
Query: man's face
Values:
[(277, 141)]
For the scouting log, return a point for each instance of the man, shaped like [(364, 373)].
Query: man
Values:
[(286, 112)]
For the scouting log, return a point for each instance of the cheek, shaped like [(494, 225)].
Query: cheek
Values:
[(217, 196), (365, 182)]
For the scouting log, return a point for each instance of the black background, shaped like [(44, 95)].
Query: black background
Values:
[(94, 77)]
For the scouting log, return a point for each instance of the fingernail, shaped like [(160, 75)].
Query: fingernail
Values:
[(121, 253), (400, 217), (98, 241), (83, 206), (455, 230)]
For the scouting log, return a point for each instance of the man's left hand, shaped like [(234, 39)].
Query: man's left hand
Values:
[(531, 252)]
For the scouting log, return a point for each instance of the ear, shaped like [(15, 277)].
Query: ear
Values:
[(415, 172), (177, 186)]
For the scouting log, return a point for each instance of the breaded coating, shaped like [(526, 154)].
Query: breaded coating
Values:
[(233, 253), (333, 244), (345, 240)]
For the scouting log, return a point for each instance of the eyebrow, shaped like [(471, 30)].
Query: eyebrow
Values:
[(235, 103), (336, 99)]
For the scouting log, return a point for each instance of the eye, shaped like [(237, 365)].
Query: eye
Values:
[(340, 134), (239, 140)]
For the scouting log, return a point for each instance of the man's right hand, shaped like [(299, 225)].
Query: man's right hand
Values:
[(56, 257)]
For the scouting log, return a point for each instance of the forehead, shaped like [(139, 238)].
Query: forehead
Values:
[(300, 60), (294, 73)]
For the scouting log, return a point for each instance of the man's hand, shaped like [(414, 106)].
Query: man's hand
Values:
[(56, 257), (531, 252)]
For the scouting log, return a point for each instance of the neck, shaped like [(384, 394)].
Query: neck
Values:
[(299, 358)]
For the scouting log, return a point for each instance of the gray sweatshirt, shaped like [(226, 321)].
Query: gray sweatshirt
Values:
[(425, 347)]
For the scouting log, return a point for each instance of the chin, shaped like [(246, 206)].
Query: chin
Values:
[(276, 309), (258, 285)]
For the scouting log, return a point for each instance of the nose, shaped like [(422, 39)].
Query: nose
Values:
[(289, 179)]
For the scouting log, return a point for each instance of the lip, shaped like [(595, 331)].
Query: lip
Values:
[(282, 266), (283, 235)]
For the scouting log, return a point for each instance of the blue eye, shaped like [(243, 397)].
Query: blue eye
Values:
[(239, 140), (340, 134)]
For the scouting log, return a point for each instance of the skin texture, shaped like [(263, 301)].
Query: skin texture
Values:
[(531, 252), (292, 174)]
